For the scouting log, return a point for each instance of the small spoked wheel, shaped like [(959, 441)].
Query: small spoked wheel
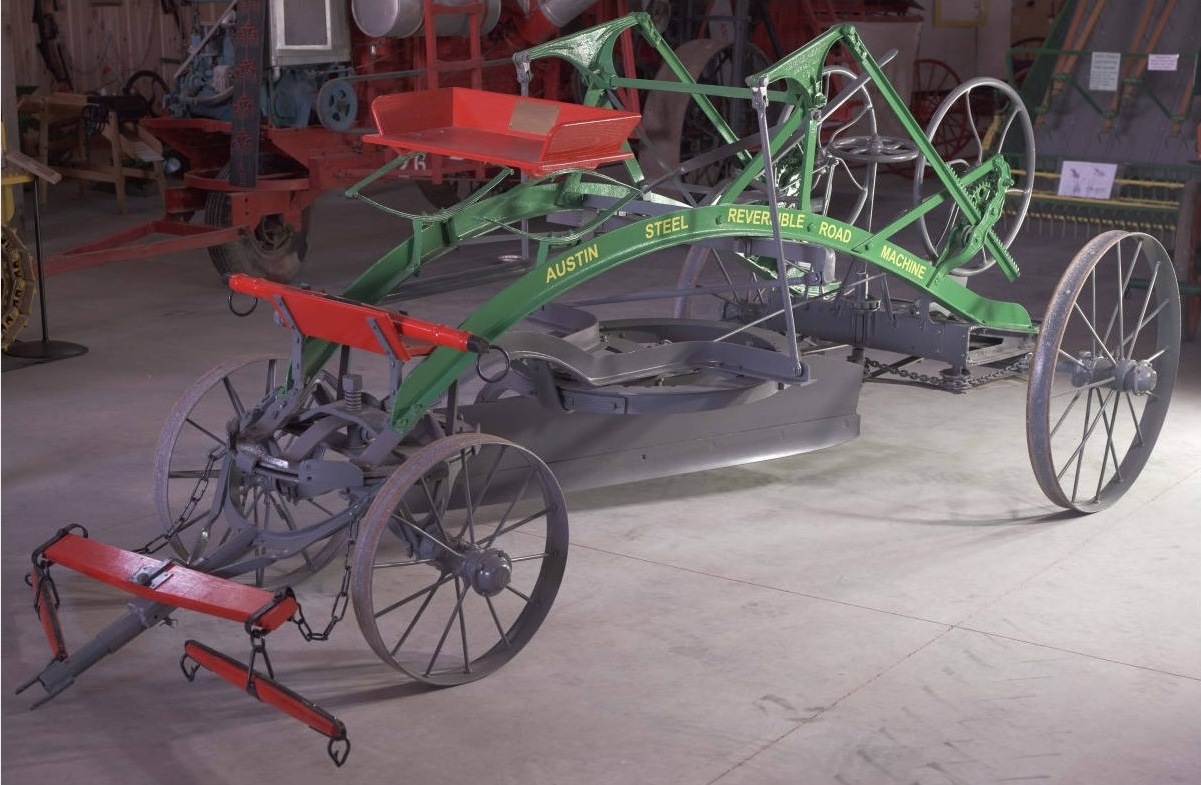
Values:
[(874, 149), (208, 493), (459, 558), (1103, 370)]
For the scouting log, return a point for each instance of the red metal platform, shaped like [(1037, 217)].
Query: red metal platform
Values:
[(170, 583), (536, 136)]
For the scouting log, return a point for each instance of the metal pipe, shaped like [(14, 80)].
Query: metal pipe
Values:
[(203, 42)]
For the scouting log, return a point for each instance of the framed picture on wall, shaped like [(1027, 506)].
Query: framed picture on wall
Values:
[(960, 13)]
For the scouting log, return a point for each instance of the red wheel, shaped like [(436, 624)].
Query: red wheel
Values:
[(1022, 59), (932, 81)]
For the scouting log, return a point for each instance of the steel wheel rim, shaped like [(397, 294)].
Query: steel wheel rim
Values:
[(1093, 419), (421, 602), (193, 460)]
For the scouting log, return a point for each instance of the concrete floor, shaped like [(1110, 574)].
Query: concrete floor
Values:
[(906, 608)]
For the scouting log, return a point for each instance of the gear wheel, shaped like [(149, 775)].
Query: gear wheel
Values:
[(19, 285)]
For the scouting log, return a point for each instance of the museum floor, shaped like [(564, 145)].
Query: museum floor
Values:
[(905, 608)]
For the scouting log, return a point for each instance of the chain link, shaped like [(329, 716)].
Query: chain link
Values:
[(189, 507), (342, 601), (956, 384)]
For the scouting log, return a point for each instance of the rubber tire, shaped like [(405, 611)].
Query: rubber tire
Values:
[(247, 254)]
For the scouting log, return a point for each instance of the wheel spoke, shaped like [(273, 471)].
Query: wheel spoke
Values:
[(429, 596), (1136, 421), (441, 543), (1064, 416), (427, 592), (1090, 386), (488, 478), (519, 594), (1098, 344), (205, 431), (234, 398), (458, 610), (436, 509), (528, 557), (196, 436), (469, 503), (1109, 450), (501, 530), (517, 497), (1088, 425), (500, 628), (1143, 322)]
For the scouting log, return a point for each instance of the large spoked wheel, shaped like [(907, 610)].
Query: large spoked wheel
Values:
[(459, 558), (737, 286), (205, 496), (274, 249), (996, 123), (151, 88), (1103, 370)]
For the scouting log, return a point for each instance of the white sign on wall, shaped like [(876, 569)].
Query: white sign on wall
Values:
[(1103, 73), (1162, 62), (1087, 179)]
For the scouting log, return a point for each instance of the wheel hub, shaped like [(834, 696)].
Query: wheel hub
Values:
[(273, 235), (488, 570), (1135, 376)]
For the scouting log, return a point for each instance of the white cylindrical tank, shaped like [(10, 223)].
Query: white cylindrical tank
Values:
[(403, 18)]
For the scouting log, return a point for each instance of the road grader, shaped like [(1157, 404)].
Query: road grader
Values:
[(440, 493)]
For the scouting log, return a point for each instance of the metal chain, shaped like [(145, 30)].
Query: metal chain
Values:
[(342, 601), (950, 383), (181, 522)]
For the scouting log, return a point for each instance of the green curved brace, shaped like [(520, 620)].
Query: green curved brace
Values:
[(591, 52), (430, 379), (430, 240)]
